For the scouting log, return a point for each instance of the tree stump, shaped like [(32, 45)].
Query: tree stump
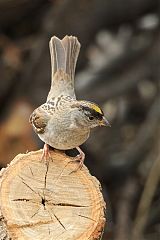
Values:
[(40, 201)]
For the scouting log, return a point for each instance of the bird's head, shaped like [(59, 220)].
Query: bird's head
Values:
[(89, 115)]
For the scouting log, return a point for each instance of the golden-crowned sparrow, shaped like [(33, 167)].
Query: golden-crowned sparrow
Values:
[(64, 122)]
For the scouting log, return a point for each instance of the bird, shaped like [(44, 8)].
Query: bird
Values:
[(64, 122)]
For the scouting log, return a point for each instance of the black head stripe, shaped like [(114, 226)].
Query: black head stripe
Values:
[(92, 112)]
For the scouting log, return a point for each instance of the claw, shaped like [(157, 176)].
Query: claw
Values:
[(46, 154), (79, 158)]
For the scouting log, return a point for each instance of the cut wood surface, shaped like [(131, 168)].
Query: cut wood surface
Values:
[(50, 202)]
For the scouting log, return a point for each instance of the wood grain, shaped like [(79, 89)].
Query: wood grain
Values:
[(50, 202)]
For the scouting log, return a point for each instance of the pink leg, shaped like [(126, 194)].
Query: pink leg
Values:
[(80, 158), (46, 154)]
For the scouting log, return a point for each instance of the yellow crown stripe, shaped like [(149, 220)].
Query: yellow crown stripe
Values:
[(96, 108), (92, 106)]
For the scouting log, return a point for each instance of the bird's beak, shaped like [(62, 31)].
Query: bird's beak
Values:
[(104, 122)]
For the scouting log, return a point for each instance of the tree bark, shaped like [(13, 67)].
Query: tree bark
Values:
[(50, 201)]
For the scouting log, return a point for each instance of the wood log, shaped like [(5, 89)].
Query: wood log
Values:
[(50, 201)]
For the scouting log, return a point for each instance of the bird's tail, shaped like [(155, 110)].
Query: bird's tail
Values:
[(64, 54)]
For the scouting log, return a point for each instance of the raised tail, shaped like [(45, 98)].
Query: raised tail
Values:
[(64, 54)]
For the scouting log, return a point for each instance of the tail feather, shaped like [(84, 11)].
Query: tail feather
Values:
[(64, 54), (57, 52), (72, 47)]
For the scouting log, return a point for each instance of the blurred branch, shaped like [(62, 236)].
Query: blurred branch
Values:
[(123, 73), (121, 40), (133, 156), (83, 14), (90, 16), (146, 199), (124, 208), (14, 10)]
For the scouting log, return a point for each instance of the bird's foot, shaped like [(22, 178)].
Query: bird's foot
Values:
[(46, 154), (79, 158)]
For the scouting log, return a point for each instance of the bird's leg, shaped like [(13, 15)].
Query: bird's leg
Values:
[(80, 158), (46, 154)]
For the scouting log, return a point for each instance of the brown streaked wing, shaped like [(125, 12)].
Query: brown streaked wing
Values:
[(39, 119)]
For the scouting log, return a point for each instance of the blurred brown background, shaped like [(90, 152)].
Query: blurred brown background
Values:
[(119, 68)]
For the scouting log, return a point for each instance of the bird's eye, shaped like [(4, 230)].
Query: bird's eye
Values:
[(91, 117)]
